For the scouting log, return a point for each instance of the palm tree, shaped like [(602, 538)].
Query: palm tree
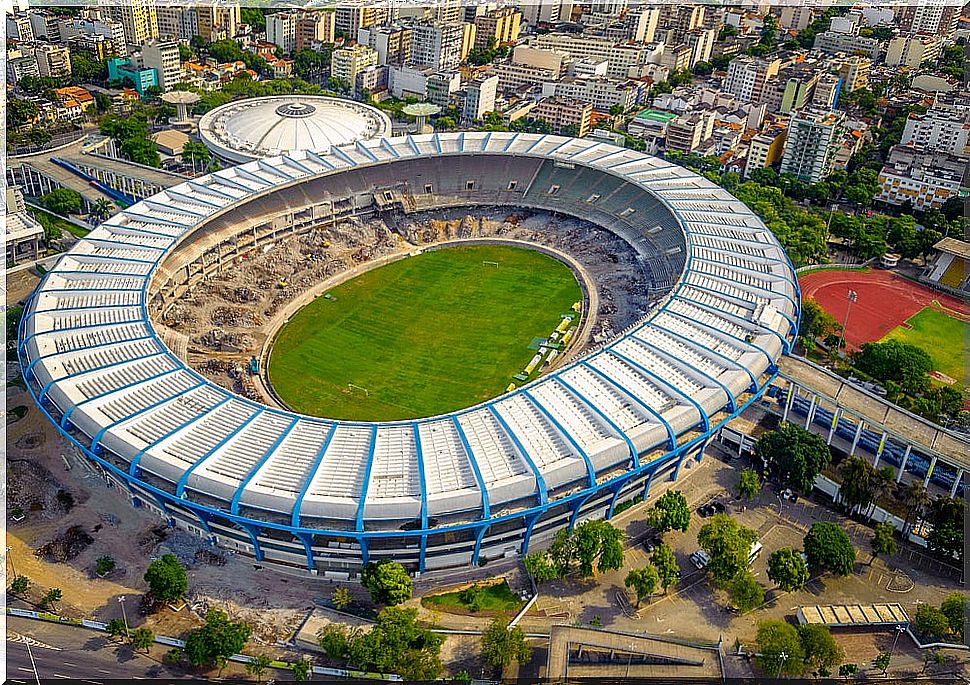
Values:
[(102, 209), (257, 667)]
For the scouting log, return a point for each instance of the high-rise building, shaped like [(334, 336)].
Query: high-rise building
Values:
[(701, 42), (539, 11), (53, 60), (346, 63), (313, 28), (163, 57), (281, 30), (622, 57), (501, 25), (19, 28), (854, 71), (747, 76), (933, 18), (110, 31), (139, 18), (392, 42), (571, 117), (765, 149), (689, 131), (912, 51), (437, 45), (795, 17), (479, 98), (924, 179), (945, 128), (350, 18), (45, 25), (814, 136)]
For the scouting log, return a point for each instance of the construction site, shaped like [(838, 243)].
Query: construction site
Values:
[(222, 325)]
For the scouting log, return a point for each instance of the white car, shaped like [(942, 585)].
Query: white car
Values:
[(700, 559)]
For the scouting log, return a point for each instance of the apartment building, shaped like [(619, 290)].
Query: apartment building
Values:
[(163, 57), (746, 77), (110, 31), (500, 25), (945, 128), (121, 68), (539, 11), (346, 63), (52, 60), (835, 42), (392, 42), (602, 93), (912, 51), (623, 58), (689, 131), (479, 98), (854, 71), (45, 26), (814, 136), (350, 18), (19, 28), (701, 43), (826, 91), (439, 45), (564, 115), (208, 21), (676, 57), (935, 19), (925, 179), (765, 149), (139, 18), (315, 28), (795, 17)]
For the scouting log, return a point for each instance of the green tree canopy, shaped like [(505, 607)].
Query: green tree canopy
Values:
[(598, 542), (387, 581), (896, 361), (643, 582), (20, 111), (665, 562), (502, 645), (540, 567), (828, 548), (670, 512), (166, 578), (862, 484), (820, 648), (931, 622), (729, 545), (749, 485), (777, 638), (796, 455), (745, 592), (787, 569), (63, 201), (142, 639), (946, 538), (218, 639), (884, 539), (397, 644), (954, 607)]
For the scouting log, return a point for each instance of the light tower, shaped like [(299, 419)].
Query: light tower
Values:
[(181, 99), (421, 111)]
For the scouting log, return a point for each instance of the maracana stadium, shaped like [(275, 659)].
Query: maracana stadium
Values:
[(477, 484)]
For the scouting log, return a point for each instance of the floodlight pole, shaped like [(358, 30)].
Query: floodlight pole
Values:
[(784, 657), (124, 615), (853, 296), (10, 559)]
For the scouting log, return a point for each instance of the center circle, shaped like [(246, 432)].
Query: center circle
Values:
[(431, 333), (295, 109)]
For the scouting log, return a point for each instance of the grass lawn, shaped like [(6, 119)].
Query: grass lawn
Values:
[(941, 336), (48, 220), (494, 599), (424, 335)]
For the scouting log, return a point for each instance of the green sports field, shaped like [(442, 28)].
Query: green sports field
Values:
[(425, 335), (941, 336)]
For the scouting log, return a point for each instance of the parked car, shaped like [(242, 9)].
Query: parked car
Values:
[(700, 559), (650, 544)]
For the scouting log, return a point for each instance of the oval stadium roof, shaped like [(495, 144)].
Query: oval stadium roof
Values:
[(245, 130)]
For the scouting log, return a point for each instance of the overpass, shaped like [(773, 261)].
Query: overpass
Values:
[(87, 167), (840, 411)]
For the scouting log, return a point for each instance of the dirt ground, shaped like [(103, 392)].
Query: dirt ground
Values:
[(223, 321)]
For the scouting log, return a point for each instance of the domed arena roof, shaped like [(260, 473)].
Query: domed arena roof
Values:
[(265, 127)]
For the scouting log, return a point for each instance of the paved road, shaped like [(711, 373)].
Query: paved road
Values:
[(70, 652)]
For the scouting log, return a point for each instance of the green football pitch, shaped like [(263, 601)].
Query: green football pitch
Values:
[(940, 336), (425, 335)]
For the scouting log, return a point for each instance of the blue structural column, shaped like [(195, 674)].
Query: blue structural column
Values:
[(419, 454), (486, 507)]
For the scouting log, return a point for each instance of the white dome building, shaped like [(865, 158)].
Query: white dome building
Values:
[(251, 129)]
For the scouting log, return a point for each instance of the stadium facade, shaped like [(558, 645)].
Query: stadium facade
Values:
[(489, 481)]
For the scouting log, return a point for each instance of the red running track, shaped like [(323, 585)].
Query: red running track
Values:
[(885, 300)]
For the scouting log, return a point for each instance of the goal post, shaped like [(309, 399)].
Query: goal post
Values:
[(351, 387), (487, 263)]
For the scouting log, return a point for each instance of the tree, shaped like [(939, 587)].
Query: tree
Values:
[(142, 639), (52, 597), (387, 581), (643, 581), (931, 622), (670, 512), (862, 484), (820, 648), (301, 670), (502, 645), (335, 641), (341, 598), (540, 567), (882, 661), (916, 499), (775, 638), (883, 540), (600, 542), (63, 201), (219, 638), (21, 111), (729, 545), (166, 579), (19, 585), (848, 670), (257, 666), (745, 592), (396, 643), (954, 608), (946, 538), (562, 551), (445, 123), (116, 628), (101, 210), (796, 455), (748, 484), (173, 657), (787, 569), (104, 565), (828, 548), (141, 151), (665, 562), (897, 361)]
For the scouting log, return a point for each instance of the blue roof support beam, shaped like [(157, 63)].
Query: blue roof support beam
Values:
[(308, 480), (263, 165), (748, 286), (234, 433), (634, 455), (234, 503), (343, 155), (390, 148), (127, 388), (96, 440), (702, 418), (542, 489), (191, 200), (486, 506), (693, 345), (94, 369), (750, 346), (209, 190), (746, 323), (590, 471), (30, 366), (133, 465), (320, 160), (684, 364), (81, 328), (359, 526), (728, 297), (671, 436), (422, 481)]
